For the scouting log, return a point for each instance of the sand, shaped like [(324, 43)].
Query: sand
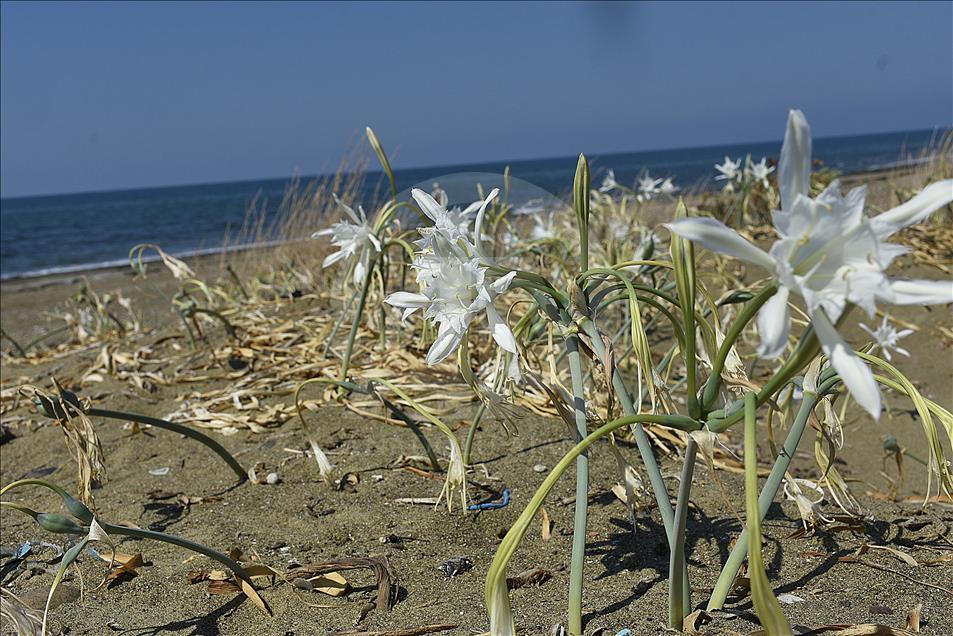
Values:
[(305, 520)]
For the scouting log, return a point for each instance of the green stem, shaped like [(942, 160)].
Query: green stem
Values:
[(680, 596), (582, 491), (358, 313), (237, 281), (337, 325), (468, 445), (215, 555), (497, 598), (214, 446), (641, 438), (738, 553), (751, 308), (762, 596), (807, 348)]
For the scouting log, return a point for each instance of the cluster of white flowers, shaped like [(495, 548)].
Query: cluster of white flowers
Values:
[(455, 287), (830, 254), (647, 187), (731, 172)]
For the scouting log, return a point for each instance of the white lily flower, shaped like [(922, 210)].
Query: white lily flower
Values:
[(448, 225), (730, 170), (648, 187), (760, 171), (454, 291), (355, 238), (668, 187), (886, 337), (830, 254), (608, 182)]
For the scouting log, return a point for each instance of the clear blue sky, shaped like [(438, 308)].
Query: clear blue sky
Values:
[(105, 96)]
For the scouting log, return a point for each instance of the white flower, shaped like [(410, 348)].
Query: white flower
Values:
[(886, 337), (355, 239), (830, 254), (668, 187), (454, 289), (760, 171), (449, 225), (608, 182), (648, 187), (730, 170)]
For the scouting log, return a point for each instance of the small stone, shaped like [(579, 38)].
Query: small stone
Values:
[(540, 468), (272, 479), (456, 565)]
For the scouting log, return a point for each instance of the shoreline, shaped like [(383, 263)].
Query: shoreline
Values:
[(70, 274)]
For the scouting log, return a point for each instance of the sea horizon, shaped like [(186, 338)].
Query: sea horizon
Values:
[(938, 131), (96, 228)]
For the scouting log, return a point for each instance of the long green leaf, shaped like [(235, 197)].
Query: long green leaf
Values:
[(765, 603)]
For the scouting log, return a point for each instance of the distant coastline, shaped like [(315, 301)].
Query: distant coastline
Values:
[(92, 231)]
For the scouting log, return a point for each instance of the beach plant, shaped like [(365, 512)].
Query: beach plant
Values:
[(363, 246), (88, 527), (187, 306), (831, 256), (73, 414)]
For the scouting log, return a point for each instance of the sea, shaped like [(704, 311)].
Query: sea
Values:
[(42, 235)]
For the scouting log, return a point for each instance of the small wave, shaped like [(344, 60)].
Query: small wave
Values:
[(113, 264)]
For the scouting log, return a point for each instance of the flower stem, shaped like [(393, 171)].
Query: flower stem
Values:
[(214, 446), (680, 594), (738, 554), (582, 491), (497, 598), (472, 433), (358, 314), (751, 308)]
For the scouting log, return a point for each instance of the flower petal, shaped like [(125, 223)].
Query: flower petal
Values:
[(502, 283), (500, 330), (427, 204), (921, 292), (331, 259), (376, 242), (931, 198), (718, 237), (855, 375), (446, 343), (478, 228), (774, 323), (407, 300), (794, 168), (359, 270), (348, 210)]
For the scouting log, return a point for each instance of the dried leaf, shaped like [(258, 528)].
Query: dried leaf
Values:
[(533, 577), (223, 587), (913, 618), (695, 620), (547, 530), (903, 556)]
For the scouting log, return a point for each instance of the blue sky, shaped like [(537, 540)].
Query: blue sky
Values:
[(106, 96)]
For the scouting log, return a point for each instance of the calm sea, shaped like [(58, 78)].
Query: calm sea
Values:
[(61, 233)]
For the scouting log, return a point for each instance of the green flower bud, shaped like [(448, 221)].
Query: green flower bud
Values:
[(60, 524)]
